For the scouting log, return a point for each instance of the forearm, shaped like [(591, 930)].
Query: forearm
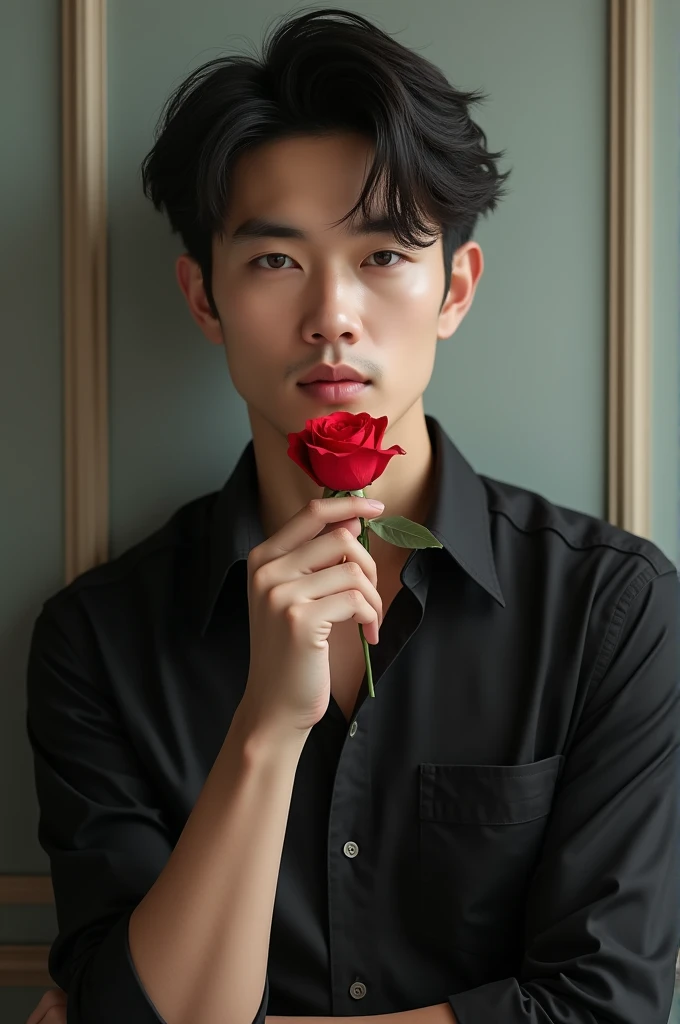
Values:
[(200, 937), (439, 1014)]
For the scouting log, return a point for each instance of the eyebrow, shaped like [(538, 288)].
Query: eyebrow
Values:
[(258, 227)]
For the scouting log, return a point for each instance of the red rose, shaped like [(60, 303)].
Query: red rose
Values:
[(342, 451)]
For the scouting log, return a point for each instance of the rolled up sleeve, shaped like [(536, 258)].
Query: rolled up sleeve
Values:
[(99, 823), (602, 922)]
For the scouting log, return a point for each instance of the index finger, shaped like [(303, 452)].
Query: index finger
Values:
[(308, 522)]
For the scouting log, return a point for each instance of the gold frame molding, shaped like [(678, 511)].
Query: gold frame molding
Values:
[(630, 226), (85, 320), (85, 379), (26, 890), (25, 965), (85, 284)]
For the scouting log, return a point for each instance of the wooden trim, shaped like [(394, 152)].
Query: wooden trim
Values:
[(26, 890), (630, 335), (25, 965), (84, 284)]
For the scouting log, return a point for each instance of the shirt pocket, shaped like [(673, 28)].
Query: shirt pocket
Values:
[(480, 833)]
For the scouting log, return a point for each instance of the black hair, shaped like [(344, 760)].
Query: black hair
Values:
[(322, 72)]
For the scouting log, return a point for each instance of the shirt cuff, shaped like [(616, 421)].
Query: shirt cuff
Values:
[(105, 987), (502, 1001), (262, 1012)]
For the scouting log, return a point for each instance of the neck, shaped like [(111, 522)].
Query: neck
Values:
[(406, 486)]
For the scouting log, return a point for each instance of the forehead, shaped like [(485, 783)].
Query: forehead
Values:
[(307, 180), (301, 186)]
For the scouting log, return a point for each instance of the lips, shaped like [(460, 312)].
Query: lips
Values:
[(333, 391), (324, 373)]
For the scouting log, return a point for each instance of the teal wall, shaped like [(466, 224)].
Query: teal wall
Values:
[(31, 497), (521, 386), (30, 393)]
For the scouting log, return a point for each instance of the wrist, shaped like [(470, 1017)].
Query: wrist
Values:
[(266, 737)]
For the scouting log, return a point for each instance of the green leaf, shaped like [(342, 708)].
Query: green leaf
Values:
[(403, 533)]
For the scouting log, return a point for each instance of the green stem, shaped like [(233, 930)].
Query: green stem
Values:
[(363, 539)]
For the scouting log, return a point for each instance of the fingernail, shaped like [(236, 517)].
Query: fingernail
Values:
[(375, 504)]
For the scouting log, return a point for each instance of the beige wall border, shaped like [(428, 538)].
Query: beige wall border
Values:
[(84, 127), (27, 890), (25, 965), (630, 218)]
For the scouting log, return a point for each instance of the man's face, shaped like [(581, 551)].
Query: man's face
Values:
[(288, 303)]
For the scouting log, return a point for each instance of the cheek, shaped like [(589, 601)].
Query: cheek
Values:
[(408, 323), (248, 349), (250, 339), (247, 301), (414, 297), (251, 323), (413, 359)]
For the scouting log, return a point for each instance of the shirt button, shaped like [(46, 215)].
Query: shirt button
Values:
[(357, 990), (350, 849), (353, 728)]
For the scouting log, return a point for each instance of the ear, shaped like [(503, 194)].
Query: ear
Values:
[(190, 280), (466, 270)]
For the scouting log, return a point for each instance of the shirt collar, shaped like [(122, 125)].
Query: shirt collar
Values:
[(459, 518)]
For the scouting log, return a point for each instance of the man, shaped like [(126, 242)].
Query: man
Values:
[(236, 830)]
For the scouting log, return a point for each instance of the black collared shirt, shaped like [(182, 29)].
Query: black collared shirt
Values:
[(499, 828)]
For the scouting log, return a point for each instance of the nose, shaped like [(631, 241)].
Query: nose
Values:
[(332, 314)]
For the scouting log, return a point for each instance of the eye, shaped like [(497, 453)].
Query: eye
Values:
[(282, 256), (270, 255), (388, 252)]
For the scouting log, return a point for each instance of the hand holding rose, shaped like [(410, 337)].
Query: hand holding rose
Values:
[(341, 452)]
